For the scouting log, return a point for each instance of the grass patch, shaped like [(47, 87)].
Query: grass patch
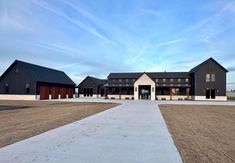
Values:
[(231, 98)]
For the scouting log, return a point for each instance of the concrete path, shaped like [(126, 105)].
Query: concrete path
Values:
[(129, 133)]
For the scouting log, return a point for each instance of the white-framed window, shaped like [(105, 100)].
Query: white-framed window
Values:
[(186, 80), (120, 80), (156, 80), (208, 77), (163, 80), (213, 77), (172, 80), (179, 80)]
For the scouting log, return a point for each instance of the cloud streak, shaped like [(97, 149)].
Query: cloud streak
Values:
[(76, 22)]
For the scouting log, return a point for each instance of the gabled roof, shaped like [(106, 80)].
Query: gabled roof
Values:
[(152, 75), (42, 74), (94, 80), (210, 59)]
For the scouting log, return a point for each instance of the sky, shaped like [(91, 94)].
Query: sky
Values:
[(96, 37)]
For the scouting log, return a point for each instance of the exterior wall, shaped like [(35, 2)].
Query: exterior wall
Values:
[(217, 98), (17, 97), (88, 83), (94, 96), (122, 97), (144, 80), (200, 79), (17, 81)]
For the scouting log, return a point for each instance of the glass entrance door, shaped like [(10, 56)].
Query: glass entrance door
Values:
[(144, 92)]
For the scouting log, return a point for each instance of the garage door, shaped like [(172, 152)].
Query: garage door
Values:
[(63, 92), (54, 93), (44, 93), (70, 92)]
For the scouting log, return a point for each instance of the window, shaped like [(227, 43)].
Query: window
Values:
[(213, 77), (133, 80), (179, 80), (27, 87), (163, 80), (186, 80), (120, 80), (156, 80), (6, 89), (207, 77), (127, 80), (172, 80)]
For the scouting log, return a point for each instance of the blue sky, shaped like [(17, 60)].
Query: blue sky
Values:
[(96, 37)]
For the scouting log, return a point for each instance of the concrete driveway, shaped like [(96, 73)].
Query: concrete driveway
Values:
[(132, 132)]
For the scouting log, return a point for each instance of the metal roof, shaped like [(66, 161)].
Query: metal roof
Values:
[(152, 75), (43, 74)]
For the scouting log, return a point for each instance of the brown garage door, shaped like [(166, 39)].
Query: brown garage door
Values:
[(63, 92), (44, 93), (70, 92), (54, 93)]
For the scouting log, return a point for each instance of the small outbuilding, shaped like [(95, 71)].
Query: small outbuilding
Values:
[(92, 87), (26, 81)]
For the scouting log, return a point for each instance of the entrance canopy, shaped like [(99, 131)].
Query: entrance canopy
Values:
[(144, 87)]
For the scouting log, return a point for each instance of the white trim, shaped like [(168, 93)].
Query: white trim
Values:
[(217, 98), (18, 97)]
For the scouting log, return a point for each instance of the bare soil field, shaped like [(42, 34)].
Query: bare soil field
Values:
[(202, 133), (23, 119)]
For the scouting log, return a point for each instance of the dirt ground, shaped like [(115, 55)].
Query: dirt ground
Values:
[(202, 133), (23, 119)]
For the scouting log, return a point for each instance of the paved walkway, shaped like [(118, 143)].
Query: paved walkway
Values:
[(129, 133)]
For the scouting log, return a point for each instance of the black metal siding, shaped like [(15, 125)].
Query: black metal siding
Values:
[(200, 79), (88, 83), (17, 81)]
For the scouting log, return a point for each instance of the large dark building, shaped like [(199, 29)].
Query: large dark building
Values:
[(28, 81), (207, 81)]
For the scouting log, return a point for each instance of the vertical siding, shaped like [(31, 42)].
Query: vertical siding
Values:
[(220, 79), (17, 81)]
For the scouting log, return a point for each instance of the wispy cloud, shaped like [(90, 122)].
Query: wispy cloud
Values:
[(76, 22), (151, 12), (169, 42)]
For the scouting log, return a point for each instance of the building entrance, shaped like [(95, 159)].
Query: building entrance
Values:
[(145, 92)]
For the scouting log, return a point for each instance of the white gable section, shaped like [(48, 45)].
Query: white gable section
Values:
[(144, 80)]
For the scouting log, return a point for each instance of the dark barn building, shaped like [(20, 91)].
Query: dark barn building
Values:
[(207, 81), (92, 87), (28, 81)]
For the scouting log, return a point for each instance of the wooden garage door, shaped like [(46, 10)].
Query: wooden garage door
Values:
[(54, 93), (63, 92), (70, 92), (44, 93)]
